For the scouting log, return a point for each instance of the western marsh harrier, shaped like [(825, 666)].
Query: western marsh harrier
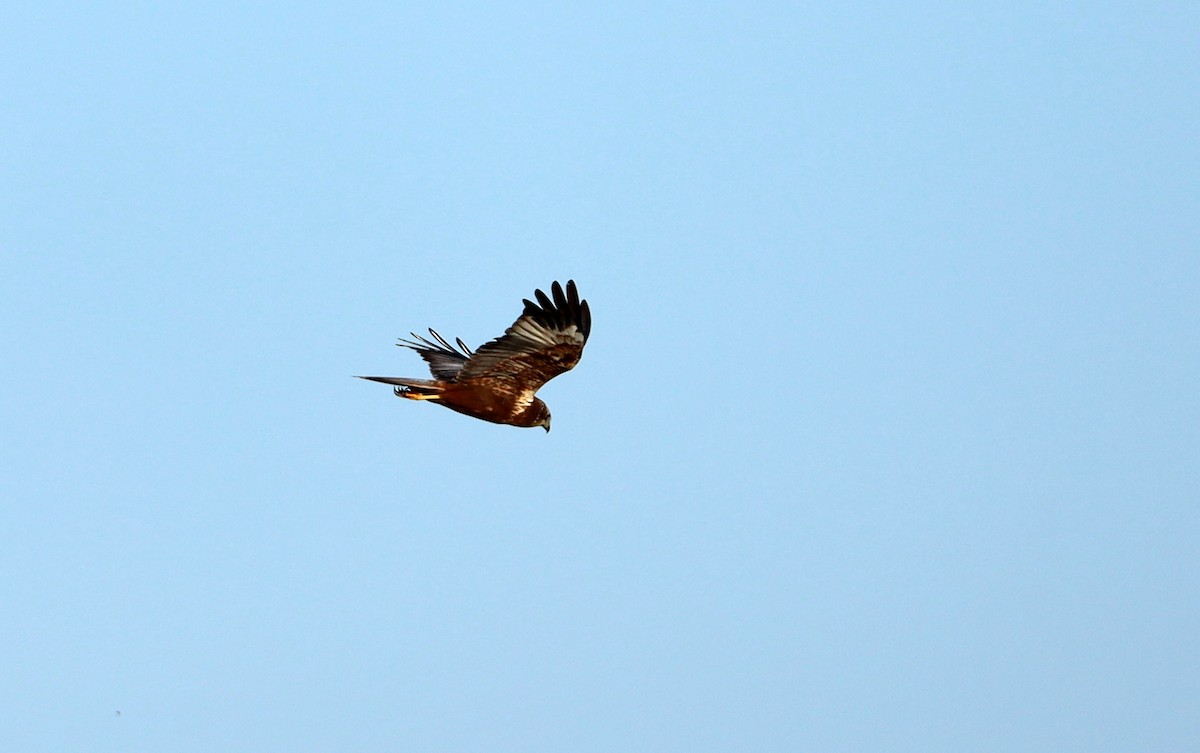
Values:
[(497, 382)]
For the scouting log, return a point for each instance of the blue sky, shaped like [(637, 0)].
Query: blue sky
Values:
[(886, 437)]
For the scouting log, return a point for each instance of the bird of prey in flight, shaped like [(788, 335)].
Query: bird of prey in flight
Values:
[(497, 382)]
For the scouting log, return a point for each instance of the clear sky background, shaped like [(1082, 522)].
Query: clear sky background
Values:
[(887, 437)]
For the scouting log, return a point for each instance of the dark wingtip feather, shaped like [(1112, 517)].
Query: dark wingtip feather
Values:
[(547, 306), (578, 310), (561, 307), (561, 311)]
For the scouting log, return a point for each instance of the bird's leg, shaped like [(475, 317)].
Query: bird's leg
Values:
[(409, 394)]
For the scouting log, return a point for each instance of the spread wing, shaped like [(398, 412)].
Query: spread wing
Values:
[(444, 360), (545, 341)]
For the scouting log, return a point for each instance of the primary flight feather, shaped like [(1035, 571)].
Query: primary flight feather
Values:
[(497, 382)]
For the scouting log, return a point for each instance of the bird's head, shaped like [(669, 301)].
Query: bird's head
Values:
[(540, 415)]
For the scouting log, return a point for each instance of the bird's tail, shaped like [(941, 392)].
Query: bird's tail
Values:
[(413, 389)]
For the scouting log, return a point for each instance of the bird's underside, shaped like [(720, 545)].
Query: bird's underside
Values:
[(497, 382)]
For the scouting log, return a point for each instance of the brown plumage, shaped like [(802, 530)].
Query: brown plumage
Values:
[(497, 382)]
